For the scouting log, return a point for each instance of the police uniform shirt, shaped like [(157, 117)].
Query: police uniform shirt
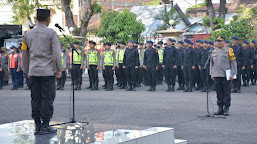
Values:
[(203, 57), (170, 56), (188, 57), (43, 58), (222, 60), (103, 56), (247, 57), (98, 57), (238, 51), (151, 57), (131, 57), (2, 61)]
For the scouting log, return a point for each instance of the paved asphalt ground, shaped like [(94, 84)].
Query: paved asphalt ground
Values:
[(141, 108)]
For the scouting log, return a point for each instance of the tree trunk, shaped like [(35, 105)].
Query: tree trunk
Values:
[(222, 9), (69, 15), (85, 20), (211, 11)]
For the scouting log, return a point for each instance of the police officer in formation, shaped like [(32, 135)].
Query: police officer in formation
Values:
[(93, 65), (179, 65), (2, 62), (246, 63), (188, 65), (170, 57), (120, 69), (108, 65), (141, 77), (160, 69), (253, 68), (196, 72), (131, 64), (236, 84), (151, 60), (65, 63)]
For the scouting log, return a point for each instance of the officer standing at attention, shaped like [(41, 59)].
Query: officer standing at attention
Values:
[(236, 84), (188, 65), (65, 62), (170, 57), (42, 61), (78, 64), (109, 63), (160, 69), (14, 67), (246, 63), (118, 75), (93, 65), (121, 70), (179, 65), (141, 71), (131, 64), (2, 62), (197, 76), (222, 59), (151, 60), (253, 69), (205, 73)]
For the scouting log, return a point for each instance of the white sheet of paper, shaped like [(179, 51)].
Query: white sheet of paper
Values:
[(228, 73)]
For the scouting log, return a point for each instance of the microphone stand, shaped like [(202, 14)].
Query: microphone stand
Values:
[(208, 115), (73, 119)]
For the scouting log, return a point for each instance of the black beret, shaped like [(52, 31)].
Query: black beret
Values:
[(108, 43), (92, 42), (123, 43), (76, 43)]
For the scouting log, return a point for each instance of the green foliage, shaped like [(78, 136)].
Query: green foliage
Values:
[(119, 27), (243, 25), (155, 2), (65, 42), (22, 10), (196, 6), (206, 21), (218, 23), (165, 17), (96, 7)]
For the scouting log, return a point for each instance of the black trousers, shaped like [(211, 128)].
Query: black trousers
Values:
[(145, 76), (93, 74), (188, 75), (1, 78), (160, 73), (108, 72), (197, 76), (236, 83), (180, 75), (42, 96), (122, 75), (140, 75), (117, 74), (223, 90), (77, 74), (61, 80), (170, 75), (206, 78), (131, 75), (151, 74), (246, 74)]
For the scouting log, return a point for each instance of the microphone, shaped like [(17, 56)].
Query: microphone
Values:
[(59, 27)]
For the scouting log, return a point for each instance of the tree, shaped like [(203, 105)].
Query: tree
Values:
[(116, 27), (92, 8), (222, 9), (165, 17), (211, 11)]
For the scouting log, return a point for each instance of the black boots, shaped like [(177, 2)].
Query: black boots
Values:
[(46, 129), (190, 88), (150, 89), (79, 87), (220, 111), (204, 89), (169, 88), (37, 126), (129, 88), (109, 87), (226, 111), (186, 89)]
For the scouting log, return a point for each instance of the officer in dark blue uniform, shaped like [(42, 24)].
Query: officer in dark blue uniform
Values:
[(179, 65), (236, 84), (131, 63), (253, 69), (188, 65), (205, 72), (246, 63), (227, 43), (196, 71), (151, 60), (170, 56)]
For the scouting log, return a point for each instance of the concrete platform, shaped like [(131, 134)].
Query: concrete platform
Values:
[(22, 132)]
